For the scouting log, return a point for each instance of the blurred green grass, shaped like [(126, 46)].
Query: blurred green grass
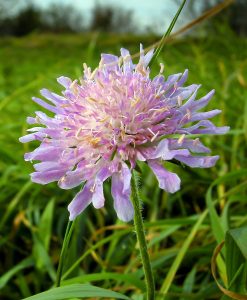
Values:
[(33, 217)]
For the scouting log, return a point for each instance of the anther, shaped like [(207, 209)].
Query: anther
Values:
[(181, 139)]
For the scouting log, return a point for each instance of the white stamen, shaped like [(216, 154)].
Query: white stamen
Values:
[(161, 68), (93, 74), (78, 132), (188, 113), (181, 139), (160, 88), (92, 189), (62, 179), (196, 142), (151, 131), (155, 136), (179, 100)]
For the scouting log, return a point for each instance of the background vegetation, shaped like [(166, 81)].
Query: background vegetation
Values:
[(182, 229)]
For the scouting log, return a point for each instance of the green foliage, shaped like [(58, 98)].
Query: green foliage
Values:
[(76, 291), (27, 262), (236, 259), (182, 229)]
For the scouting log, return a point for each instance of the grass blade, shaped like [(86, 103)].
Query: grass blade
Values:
[(76, 291), (185, 247), (28, 262), (236, 259), (126, 278)]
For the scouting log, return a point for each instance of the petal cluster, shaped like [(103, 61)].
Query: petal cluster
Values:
[(113, 117)]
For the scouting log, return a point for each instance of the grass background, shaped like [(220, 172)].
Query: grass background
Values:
[(182, 229)]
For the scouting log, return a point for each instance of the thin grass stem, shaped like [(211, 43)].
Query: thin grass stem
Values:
[(167, 33), (66, 240)]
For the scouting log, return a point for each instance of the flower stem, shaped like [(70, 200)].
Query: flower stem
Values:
[(66, 240), (138, 222)]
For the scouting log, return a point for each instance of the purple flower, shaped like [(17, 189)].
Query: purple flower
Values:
[(114, 116)]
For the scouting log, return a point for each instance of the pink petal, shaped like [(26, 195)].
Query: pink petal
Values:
[(168, 181), (126, 175), (127, 61), (44, 152), (110, 61), (205, 115), (75, 177), (64, 81), (198, 161), (54, 98), (46, 105), (32, 136), (122, 203), (47, 177), (48, 166), (183, 78), (203, 101), (71, 180), (98, 198), (162, 151), (165, 153), (81, 201), (193, 145)]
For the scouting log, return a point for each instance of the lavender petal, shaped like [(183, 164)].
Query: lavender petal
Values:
[(122, 203), (64, 81), (168, 181), (98, 198), (47, 176), (46, 105), (80, 201), (198, 161)]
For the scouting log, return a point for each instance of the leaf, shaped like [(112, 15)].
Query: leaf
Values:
[(236, 259), (93, 247), (163, 234), (217, 225), (76, 291), (189, 281), (28, 262), (227, 292), (184, 248), (14, 202), (128, 278), (42, 259), (23, 284), (46, 224)]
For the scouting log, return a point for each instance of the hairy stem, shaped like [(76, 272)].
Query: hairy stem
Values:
[(138, 222)]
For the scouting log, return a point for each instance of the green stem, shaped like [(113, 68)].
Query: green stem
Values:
[(138, 222), (66, 240), (167, 33)]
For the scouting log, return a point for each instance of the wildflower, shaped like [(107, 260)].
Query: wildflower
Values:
[(111, 118)]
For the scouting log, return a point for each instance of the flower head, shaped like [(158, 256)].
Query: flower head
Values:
[(111, 118)]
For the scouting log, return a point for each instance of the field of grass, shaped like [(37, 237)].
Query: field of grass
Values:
[(182, 229)]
